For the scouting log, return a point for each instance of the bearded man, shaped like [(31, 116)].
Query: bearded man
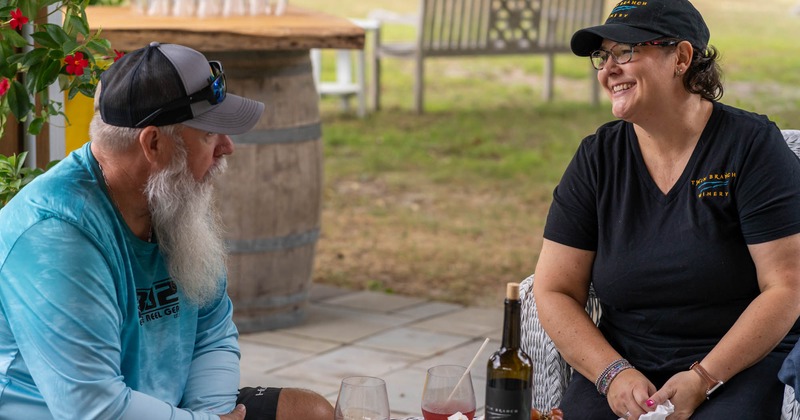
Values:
[(113, 298)]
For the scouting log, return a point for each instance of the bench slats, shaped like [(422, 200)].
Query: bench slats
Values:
[(457, 28), (501, 27)]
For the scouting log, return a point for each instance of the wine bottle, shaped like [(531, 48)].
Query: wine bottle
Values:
[(509, 372)]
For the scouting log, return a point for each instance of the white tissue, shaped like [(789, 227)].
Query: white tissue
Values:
[(458, 416), (661, 413)]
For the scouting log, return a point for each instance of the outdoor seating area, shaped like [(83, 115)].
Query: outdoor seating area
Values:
[(468, 28), (394, 337), (384, 170)]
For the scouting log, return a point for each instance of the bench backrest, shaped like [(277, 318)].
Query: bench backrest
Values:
[(500, 27)]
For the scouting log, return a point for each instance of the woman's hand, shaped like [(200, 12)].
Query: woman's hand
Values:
[(628, 394), (686, 390)]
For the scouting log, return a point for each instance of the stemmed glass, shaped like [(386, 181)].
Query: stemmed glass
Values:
[(362, 398), (440, 397)]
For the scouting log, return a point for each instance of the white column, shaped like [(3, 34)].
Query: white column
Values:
[(58, 137)]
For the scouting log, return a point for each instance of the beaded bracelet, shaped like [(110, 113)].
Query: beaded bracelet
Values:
[(604, 380)]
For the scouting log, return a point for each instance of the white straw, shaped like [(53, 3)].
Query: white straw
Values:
[(485, 342)]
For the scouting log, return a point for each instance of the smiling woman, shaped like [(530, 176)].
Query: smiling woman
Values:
[(663, 212)]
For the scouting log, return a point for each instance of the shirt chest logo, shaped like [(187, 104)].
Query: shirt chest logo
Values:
[(159, 301), (714, 185)]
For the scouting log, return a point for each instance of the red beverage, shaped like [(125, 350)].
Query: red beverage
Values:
[(449, 409)]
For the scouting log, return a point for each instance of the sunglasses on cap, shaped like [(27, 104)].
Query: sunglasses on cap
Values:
[(214, 93)]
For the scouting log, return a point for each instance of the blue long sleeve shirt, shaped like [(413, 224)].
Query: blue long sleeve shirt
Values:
[(91, 324)]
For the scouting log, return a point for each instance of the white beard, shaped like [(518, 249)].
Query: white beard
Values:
[(188, 228)]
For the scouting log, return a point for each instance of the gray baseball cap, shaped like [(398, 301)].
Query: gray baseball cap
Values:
[(164, 84)]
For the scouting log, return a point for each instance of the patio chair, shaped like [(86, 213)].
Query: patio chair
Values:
[(552, 373), (469, 28)]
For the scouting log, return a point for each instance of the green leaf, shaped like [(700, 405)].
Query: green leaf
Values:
[(12, 38), (46, 74), (5, 52), (18, 161), (46, 40), (56, 54), (71, 47), (18, 100), (8, 70), (16, 58), (102, 46), (75, 23), (33, 57), (58, 34), (87, 89), (54, 108), (5, 166), (36, 125)]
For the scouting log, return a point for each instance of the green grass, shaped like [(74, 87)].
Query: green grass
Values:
[(451, 204)]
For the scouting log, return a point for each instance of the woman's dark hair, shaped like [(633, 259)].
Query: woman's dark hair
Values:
[(704, 75)]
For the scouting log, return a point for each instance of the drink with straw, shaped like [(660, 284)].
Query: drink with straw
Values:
[(446, 393)]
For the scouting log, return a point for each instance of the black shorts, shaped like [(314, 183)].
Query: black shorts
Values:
[(261, 403)]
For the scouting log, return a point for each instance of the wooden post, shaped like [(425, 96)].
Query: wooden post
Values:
[(11, 141)]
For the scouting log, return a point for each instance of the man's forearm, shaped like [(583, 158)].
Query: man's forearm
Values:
[(213, 382)]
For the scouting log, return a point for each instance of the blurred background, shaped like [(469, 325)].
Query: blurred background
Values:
[(450, 205)]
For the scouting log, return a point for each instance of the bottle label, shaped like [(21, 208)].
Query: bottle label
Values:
[(503, 404)]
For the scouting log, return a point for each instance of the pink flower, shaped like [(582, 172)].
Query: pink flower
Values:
[(76, 63), (17, 20), (118, 55), (4, 85)]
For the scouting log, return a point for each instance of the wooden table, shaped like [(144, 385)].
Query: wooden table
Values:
[(270, 197), (297, 29)]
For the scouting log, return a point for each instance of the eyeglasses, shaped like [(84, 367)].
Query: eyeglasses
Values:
[(623, 53), (214, 93)]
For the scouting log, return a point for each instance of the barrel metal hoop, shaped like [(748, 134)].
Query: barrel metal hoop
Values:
[(250, 246)]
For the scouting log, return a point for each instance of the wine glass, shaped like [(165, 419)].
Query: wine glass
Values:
[(440, 400), (362, 398)]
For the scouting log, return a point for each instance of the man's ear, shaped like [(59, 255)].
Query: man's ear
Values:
[(156, 145)]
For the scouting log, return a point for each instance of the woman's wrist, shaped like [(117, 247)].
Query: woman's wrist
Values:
[(611, 371), (710, 383)]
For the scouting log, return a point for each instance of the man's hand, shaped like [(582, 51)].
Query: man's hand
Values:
[(237, 414)]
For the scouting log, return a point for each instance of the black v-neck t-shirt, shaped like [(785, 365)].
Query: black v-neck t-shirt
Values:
[(672, 271)]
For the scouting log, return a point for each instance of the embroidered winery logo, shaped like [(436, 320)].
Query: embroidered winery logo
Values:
[(160, 301), (624, 7), (714, 185)]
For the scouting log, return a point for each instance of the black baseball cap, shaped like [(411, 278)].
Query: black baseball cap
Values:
[(634, 21), (164, 84)]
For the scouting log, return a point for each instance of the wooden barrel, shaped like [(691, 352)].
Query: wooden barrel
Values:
[(270, 197)]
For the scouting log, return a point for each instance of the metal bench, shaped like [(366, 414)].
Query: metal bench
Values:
[(462, 28)]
